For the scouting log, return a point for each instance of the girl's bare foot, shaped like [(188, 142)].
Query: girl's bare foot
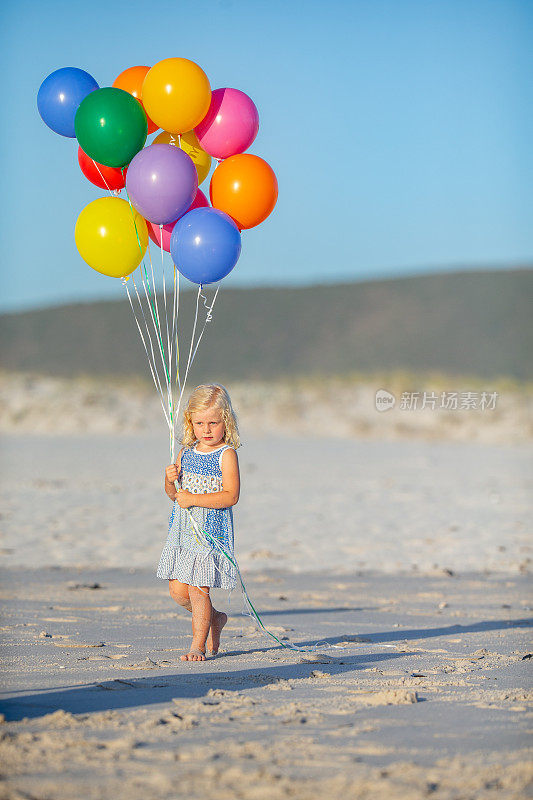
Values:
[(194, 654), (213, 639)]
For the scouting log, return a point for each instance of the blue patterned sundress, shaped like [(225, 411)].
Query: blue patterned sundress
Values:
[(183, 558)]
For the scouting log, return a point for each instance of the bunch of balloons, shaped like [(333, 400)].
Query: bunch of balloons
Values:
[(161, 179), (163, 202)]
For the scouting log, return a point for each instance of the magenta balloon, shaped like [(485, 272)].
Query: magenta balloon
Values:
[(200, 201), (230, 125), (161, 182)]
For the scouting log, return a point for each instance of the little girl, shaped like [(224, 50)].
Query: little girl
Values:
[(208, 469)]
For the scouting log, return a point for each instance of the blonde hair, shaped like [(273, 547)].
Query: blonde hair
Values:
[(203, 397)]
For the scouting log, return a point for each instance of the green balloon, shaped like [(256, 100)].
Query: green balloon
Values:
[(111, 126)]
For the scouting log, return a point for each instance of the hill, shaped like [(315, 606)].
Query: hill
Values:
[(471, 323)]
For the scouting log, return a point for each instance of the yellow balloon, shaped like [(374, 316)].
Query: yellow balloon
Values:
[(189, 144), (176, 94), (107, 239)]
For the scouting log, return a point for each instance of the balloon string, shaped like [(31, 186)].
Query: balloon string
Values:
[(155, 308), (192, 352), (177, 408), (112, 192), (155, 376), (146, 292), (157, 315), (173, 335), (175, 320), (133, 217), (169, 353), (154, 313), (253, 613), (208, 318), (157, 329), (147, 327)]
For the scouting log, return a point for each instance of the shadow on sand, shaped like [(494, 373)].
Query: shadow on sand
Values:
[(134, 692), (194, 683)]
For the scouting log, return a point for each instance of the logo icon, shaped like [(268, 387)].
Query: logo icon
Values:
[(384, 400)]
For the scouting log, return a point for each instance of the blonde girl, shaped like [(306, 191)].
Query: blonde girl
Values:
[(207, 471)]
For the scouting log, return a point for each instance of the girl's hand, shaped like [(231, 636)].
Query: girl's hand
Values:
[(184, 498), (171, 473)]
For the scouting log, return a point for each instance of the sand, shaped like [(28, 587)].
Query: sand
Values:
[(420, 692), (407, 560), (306, 503)]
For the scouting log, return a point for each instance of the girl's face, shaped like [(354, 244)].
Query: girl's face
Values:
[(208, 426)]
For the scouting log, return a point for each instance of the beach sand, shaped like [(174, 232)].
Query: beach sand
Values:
[(306, 503), (420, 693), (408, 561)]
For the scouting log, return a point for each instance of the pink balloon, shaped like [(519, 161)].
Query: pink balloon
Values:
[(200, 201), (230, 125)]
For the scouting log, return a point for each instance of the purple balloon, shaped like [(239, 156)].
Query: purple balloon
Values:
[(161, 182)]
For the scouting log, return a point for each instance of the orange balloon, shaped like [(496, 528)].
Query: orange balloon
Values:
[(245, 187), (131, 80)]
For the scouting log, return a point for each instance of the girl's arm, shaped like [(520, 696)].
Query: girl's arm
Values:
[(229, 495), (172, 474)]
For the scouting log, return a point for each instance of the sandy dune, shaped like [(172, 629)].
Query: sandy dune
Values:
[(498, 411)]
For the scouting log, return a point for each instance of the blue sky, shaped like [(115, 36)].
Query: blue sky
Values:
[(400, 132)]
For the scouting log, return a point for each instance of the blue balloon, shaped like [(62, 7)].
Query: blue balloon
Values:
[(205, 245), (60, 95)]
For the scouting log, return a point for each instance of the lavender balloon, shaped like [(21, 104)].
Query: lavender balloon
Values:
[(161, 182)]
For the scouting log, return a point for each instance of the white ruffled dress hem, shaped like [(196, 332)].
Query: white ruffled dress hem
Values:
[(188, 566)]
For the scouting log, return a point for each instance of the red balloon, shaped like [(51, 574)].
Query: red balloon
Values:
[(200, 201), (104, 177)]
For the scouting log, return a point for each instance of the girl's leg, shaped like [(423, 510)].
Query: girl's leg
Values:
[(202, 612), (180, 593)]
